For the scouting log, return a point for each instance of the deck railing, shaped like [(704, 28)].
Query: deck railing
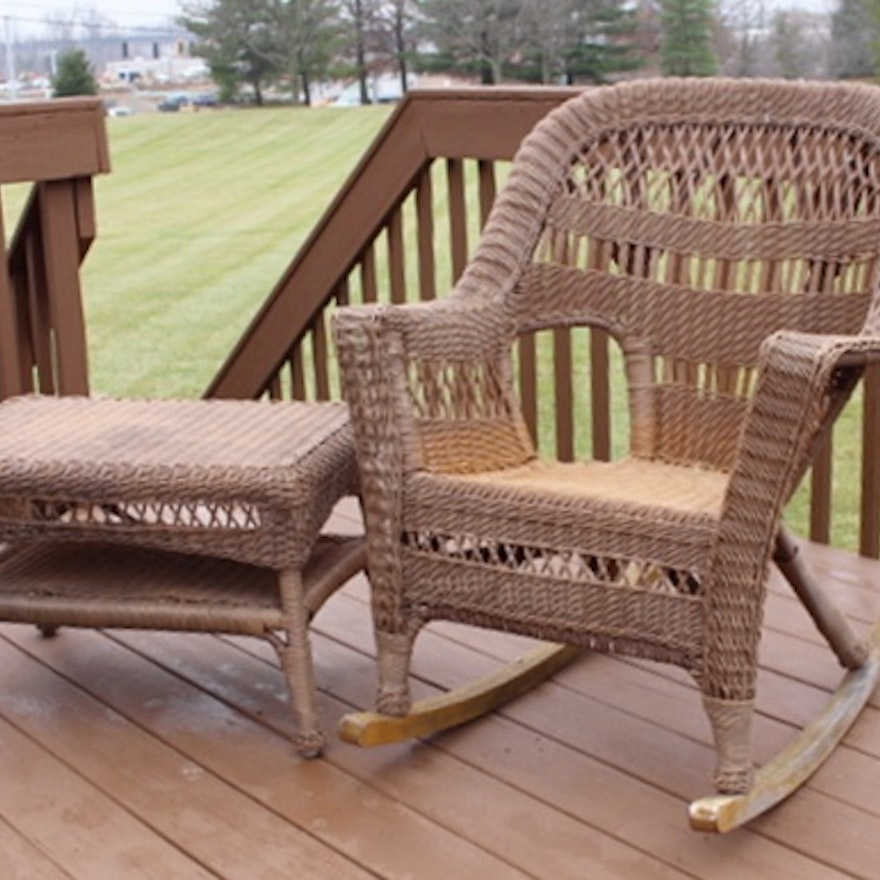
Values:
[(56, 147), (401, 229)]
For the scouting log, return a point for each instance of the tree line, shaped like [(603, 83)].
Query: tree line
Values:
[(293, 45)]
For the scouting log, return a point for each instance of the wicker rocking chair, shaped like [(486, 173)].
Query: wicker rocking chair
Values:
[(727, 235)]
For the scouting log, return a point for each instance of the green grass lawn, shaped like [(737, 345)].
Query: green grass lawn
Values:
[(197, 221)]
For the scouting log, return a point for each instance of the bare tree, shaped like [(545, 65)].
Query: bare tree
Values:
[(745, 26), (473, 35)]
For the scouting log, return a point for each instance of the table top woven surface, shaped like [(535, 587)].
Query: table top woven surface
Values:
[(212, 447)]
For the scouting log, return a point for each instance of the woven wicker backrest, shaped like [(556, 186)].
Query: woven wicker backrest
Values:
[(691, 219)]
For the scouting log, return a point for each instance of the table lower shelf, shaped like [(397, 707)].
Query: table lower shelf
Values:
[(52, 584)]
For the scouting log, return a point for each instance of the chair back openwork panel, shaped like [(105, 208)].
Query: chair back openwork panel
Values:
[(691, 233), (466, 416)]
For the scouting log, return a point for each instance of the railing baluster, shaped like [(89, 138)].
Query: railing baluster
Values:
[(457, 216), (528, 382), (10, 360), (35, 338), (599, 257), (298, 374), (396, 257), (564, 408), (425, 233), (820, 493), (28, 288), (486, 170), (869, 526), (343, 293), (62, 251), (562, 369), (600, 395), (369, 286), (320, 357)]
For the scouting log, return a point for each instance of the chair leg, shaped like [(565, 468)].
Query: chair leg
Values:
[(394, 653), (850, 649), (295, 656), (732, 728)]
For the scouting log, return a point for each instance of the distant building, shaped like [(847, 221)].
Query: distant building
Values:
[(163, 69)]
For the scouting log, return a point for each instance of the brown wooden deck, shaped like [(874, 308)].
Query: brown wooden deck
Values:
[(132, 754)]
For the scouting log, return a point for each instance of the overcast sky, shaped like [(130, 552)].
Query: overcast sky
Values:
[(28, 15)]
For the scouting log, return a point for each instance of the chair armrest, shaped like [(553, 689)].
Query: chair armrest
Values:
[(456, 328), (803, 382)]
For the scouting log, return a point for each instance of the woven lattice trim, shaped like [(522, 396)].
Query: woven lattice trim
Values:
[(555, 564), (185, 515), (738, 173), (458, 390)]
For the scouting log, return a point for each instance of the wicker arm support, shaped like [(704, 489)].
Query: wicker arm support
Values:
[(804, 380), (365, 348), (401, 370)]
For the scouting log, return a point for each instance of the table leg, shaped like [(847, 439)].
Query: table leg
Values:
[(295, 655)]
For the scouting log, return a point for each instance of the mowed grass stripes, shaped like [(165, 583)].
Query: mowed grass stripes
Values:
[(197, 221)]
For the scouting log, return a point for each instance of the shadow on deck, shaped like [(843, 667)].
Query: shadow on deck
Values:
[(131, 754)]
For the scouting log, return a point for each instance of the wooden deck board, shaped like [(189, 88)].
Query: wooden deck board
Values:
[(221, 828), (148, 754), (20, 859), (78, 827)]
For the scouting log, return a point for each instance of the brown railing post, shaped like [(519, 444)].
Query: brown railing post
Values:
[(869, 520), (57, 146), (11, 379)]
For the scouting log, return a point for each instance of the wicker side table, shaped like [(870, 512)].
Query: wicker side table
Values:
[(185, 515)]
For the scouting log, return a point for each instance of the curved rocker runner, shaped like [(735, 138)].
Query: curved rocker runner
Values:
[(779, 778), (459, 706), (774, 782)]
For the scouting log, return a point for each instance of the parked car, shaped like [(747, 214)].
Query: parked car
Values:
[(173, 103), (204, 99)]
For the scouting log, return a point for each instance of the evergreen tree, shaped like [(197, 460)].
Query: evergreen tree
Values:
[(238, 41), (791, 50), (687, 38), (307, 33), (605, 43), (260, 42), (74, 75)]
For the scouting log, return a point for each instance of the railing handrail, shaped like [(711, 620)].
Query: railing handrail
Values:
[(476, 123), (53, 140)]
